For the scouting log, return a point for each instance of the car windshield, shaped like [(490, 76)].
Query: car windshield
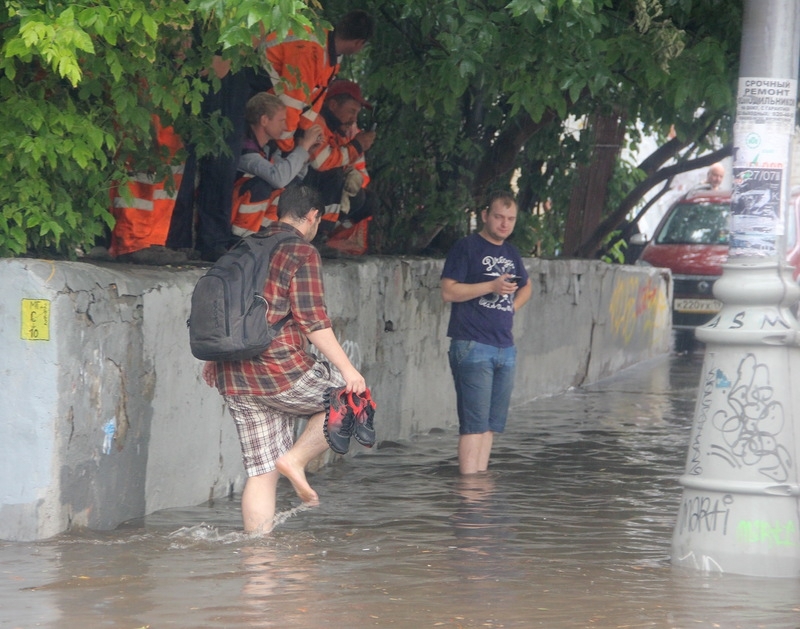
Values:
[(696, 224)]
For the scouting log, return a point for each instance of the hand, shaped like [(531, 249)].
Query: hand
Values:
[(503, 286), (210, 373), (365, 139), (311, 137), (353, 381)]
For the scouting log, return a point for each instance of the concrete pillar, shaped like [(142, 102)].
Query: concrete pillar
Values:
[(740, 510)]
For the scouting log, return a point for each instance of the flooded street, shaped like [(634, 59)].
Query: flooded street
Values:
[(571, 528)]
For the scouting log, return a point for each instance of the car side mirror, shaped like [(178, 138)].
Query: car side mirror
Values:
[(638, 239)]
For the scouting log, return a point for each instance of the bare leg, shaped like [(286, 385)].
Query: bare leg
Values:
[(293, 463), (474, 451), (258, 502)]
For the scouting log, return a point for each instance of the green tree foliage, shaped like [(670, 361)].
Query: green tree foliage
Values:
[(468, 93), (79, 83)]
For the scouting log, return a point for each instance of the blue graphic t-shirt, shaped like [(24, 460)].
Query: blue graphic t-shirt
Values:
[(487, 319)]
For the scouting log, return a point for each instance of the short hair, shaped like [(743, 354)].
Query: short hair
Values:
[(505, 198), (355, 25), (262, 104), (297, 201)]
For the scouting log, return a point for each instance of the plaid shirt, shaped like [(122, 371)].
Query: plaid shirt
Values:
[(295, 283)]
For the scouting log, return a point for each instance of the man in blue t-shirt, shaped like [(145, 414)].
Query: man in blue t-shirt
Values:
[(486, 282)]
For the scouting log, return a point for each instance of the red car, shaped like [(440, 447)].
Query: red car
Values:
[(692, 241)]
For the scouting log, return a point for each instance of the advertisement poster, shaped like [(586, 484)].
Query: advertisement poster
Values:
[(756, 217), (765, 101), (765, 115)]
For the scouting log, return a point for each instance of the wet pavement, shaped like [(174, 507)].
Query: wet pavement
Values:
[(571, 528)]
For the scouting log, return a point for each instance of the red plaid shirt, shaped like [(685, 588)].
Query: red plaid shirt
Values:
[(295, 283)]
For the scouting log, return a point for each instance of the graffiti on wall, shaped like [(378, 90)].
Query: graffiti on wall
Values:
[(351, 348), (636, 306)]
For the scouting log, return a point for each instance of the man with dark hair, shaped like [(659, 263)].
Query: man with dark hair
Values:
[(486, 282), (302, 69), (338, 167), (266, 394)]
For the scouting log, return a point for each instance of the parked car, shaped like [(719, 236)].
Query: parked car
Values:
[(692, 241)]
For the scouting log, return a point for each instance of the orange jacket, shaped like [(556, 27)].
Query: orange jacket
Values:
[(334, 151), (300, 70), (145, 220), (255, 204), (255, 201)]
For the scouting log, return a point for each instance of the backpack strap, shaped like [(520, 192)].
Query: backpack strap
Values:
[(278, 239)]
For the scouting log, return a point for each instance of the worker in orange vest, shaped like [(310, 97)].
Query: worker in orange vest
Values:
[(338, 166), (302, 69), (263, 170), (143, 220)]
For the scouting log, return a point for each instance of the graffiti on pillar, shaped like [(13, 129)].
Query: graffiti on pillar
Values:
[(773, 534), (635, 304), (775, 322), (739, 320), (704, 514), (751, 423), (701, 562), (694, 466)]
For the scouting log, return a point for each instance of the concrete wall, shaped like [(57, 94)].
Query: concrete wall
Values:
[(104, 416)]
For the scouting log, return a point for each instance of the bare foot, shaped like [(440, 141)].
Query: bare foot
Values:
[(296, 474)]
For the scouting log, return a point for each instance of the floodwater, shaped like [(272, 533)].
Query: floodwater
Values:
[(571, 528)]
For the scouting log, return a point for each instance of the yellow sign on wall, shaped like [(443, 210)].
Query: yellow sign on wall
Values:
[(35, 320)]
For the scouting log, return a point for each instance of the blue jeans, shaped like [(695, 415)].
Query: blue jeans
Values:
[(484, 378)]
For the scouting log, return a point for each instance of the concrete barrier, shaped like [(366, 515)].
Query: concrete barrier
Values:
[(105, 416)]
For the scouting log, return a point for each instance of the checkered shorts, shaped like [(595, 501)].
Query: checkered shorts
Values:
[(266, 423)]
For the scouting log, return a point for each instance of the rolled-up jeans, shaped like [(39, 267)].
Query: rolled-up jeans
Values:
[(484, 378)]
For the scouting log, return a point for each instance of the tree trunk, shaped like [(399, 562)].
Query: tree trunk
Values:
[(590, 189)]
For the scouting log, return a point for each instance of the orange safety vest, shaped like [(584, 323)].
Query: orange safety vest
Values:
[(254, 203), (336, 152), (144, 220), (300, 71)]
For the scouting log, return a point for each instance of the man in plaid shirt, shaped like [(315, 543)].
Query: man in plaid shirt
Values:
[(267, 393)]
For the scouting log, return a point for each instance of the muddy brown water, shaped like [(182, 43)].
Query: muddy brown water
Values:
[(571, 528)]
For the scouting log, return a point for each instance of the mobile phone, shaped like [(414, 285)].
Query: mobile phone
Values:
[(514, 279)]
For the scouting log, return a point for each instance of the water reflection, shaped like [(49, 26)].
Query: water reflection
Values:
[(571, 527)]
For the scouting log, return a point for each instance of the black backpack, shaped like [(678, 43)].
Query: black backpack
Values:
[(228, 319)]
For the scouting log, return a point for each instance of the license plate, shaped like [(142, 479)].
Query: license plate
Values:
[(697, 305)]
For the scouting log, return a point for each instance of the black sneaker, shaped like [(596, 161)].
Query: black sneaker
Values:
[(339, 421), (364, 412)]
